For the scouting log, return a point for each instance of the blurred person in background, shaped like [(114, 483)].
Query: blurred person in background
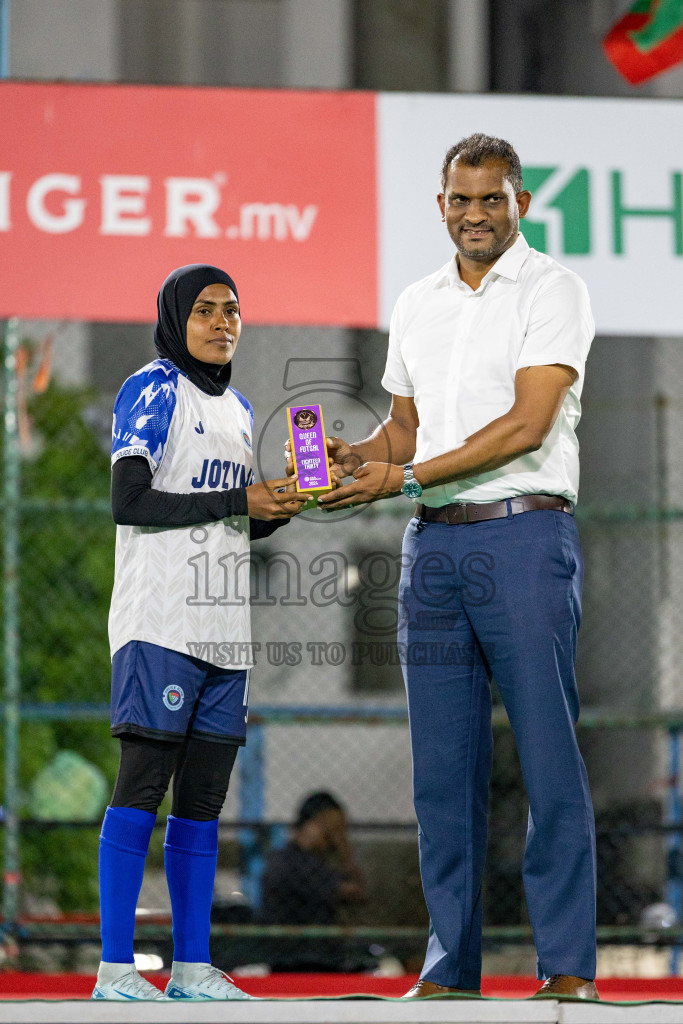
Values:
[(186, 508), (485, 368), (309, 880)]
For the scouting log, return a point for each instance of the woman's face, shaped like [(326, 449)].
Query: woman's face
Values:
[(214, 325)]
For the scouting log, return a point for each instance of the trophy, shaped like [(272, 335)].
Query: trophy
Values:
[(309, 451)]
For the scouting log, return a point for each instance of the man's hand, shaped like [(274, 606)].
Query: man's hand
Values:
[(371, 482), (275, 499), (343, 460)]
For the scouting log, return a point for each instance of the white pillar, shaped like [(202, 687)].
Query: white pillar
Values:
[(316, 44), (670, 535), (468, 45), (67, 39)]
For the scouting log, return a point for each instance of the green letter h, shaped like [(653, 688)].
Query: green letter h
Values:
[(621, 211)]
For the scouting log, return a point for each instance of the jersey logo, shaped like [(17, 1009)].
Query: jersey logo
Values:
[(222, 475), (173, 697), (246, 439), (200, 428)]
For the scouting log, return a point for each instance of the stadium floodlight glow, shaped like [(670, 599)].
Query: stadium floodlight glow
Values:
[(148, 962)]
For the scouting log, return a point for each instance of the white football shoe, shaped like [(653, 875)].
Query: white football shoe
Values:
[(201, 981), (122, 982)]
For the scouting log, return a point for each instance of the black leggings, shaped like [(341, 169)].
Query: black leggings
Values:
[(200, 769)]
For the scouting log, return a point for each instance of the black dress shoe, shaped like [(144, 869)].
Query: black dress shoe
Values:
[(563, 986), (423, 988)]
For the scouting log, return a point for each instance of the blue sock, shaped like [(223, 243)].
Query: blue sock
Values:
[(123, 847), (190, 856)]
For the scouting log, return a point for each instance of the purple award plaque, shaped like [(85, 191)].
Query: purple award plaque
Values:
[(307, 434)]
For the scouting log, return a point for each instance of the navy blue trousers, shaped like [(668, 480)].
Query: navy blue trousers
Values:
[(498, 598)]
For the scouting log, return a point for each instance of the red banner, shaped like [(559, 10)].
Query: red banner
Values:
[(105, 189)]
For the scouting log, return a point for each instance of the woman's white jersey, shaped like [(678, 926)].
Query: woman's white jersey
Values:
[(185, 588)]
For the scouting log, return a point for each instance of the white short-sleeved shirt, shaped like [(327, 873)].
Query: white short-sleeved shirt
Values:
[(184, 588), (456, 351)]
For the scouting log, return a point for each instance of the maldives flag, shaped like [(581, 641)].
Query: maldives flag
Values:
[(647, 40)]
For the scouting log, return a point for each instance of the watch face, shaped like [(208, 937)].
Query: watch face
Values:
[(412, 489)]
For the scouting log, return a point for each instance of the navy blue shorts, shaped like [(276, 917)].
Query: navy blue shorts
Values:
[(166, 695)]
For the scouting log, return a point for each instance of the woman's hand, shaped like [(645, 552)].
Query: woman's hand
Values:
[(275, 499)]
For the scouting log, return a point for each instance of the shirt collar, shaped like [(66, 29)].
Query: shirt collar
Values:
[(511, 262), (508, 265)]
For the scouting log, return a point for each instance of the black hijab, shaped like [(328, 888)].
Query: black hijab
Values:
[(174, 305)]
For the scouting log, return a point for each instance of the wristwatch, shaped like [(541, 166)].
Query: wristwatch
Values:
[(412, 488)]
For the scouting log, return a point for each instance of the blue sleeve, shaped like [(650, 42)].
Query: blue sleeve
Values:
[(245, 403), (142, 413)]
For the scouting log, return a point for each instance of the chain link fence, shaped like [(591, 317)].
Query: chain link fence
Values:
[(327, 702)]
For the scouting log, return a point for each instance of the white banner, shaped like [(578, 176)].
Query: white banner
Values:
[(607, 184)]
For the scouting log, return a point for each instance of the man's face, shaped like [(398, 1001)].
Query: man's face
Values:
[(481, 210), (214, 325)]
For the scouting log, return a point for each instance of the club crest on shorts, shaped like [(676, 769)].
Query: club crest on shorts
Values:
[(173, 697)]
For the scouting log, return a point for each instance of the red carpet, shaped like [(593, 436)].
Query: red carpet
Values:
[(15, 985)]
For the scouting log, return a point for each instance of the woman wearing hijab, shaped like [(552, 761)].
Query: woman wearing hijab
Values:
[(185, 504)]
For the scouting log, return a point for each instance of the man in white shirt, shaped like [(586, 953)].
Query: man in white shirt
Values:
[(485, 367)]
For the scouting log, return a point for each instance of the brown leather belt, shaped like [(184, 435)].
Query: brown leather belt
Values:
[(476, 511)]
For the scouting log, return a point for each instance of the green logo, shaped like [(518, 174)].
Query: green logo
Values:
[(571, 198), (620, 211)]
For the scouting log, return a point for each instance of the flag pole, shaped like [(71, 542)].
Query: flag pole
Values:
[(11, 487)]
